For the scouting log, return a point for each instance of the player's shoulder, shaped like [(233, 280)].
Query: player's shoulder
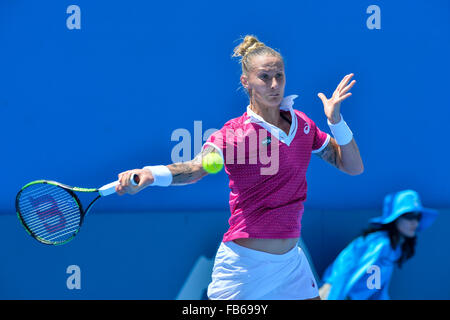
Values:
[(237, 122), (303, 117)]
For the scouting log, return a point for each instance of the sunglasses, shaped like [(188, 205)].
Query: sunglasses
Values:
[(412, 216)]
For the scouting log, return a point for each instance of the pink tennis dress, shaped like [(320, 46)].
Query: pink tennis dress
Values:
[(267, 172)]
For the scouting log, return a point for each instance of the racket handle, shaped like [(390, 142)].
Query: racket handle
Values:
[(134, 179), (110, 188)]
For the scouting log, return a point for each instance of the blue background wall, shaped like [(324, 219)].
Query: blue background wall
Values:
[(81, 106)]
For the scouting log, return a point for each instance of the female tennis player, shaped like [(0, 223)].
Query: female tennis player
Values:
[(258, 257), (363, 270)]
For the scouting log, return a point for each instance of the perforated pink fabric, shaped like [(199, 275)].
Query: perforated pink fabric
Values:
[(266, 197)]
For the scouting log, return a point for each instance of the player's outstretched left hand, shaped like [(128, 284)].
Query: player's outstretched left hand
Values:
[(332, 106)]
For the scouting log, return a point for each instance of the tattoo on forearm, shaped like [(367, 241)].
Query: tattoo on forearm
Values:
[(183, 173), (190, 171), (347, 160), (330, 154)]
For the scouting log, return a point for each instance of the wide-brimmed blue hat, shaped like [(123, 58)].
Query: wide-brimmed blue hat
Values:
[(399, 203)]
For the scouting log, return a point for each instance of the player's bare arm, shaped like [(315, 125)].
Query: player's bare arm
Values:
[(346, 158), (345, 155), (190, 171), (182, 173)]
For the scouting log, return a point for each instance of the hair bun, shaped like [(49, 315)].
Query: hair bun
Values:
[(249, 44)]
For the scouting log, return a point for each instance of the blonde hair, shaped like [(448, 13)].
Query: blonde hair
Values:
[(251, 47)]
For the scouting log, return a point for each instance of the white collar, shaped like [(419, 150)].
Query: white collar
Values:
[(286, 105)]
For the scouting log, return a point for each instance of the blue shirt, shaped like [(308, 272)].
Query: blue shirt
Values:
[(353, 273)]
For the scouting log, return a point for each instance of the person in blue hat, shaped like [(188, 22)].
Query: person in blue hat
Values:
[(363, 270)]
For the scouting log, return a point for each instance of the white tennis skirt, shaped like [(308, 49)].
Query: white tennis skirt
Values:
[(240, 273)]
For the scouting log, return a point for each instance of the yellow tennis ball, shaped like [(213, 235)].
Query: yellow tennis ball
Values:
[(212, 162)]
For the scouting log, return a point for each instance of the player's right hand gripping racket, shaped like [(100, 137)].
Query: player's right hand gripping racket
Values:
[(51, 211)]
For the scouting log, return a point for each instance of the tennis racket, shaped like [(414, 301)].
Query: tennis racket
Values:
[(52, 213)]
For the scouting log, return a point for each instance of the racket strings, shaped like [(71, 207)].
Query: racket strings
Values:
[(50, 212)]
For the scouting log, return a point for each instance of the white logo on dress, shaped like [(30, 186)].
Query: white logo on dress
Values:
[(306, 128), (267, 141)]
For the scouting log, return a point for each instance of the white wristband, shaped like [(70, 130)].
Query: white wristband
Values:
[(161, 174), (341, 132)]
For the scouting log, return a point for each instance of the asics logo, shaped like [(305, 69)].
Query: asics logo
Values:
[(306, 128)]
